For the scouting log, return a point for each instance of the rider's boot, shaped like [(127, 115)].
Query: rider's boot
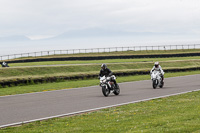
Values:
[(115, 84), (162, 79)]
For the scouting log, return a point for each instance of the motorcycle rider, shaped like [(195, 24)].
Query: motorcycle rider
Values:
[(106, 72), (157, 67), (4, 64)]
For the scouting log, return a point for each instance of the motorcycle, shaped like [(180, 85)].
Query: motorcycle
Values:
[(4, 64), (156, 79), (108, 86)]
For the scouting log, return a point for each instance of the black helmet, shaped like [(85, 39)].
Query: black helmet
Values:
[(156, 64), (103, 66)]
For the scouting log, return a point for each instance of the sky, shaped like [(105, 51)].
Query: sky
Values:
[(40, 19)]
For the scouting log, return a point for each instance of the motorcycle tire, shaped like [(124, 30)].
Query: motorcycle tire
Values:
[(105, 91), (154, 84), (117, 90), (161, 86)]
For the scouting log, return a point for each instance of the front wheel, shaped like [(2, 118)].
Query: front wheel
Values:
[(154, 84), (105, 91), (117, 90)]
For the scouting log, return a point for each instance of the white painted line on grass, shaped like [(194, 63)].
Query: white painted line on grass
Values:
[(84, 111)]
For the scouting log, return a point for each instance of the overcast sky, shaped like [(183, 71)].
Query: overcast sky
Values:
[(46, 18)]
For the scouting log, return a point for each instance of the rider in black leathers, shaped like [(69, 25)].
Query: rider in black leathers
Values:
[(107, 72)]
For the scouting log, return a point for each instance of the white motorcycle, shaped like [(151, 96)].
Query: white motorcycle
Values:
[(156, 79), (108, 86)]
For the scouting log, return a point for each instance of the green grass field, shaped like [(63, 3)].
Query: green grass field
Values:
[(83, 68), (102, 61), (87, 68)]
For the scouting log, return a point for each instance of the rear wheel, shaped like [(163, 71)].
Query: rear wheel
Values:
[(105, 91), (162, 84), (117, 90)]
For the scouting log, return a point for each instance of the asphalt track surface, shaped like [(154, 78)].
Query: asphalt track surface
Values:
[(24, 108)]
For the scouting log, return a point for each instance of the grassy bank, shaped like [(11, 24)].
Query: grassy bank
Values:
[(61, 70), (78, 83), (172, 114), (102, 61)]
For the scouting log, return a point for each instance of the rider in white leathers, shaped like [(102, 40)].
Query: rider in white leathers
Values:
[(157, 67)]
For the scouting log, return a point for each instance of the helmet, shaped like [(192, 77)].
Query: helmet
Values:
[(103, 66), (156, 64)]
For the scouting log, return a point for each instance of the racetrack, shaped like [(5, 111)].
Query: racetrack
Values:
[(25, 108)]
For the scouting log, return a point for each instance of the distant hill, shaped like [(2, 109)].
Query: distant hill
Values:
[(14, 38), (97, 32)]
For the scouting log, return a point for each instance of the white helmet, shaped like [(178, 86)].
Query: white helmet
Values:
[(156, 64)]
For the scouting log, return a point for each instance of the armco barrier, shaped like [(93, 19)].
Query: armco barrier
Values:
[(28, 81)]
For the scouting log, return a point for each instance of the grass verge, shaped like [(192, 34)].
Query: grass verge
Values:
[(78, 83), (172, 114), (53, 70), (101, 61)]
